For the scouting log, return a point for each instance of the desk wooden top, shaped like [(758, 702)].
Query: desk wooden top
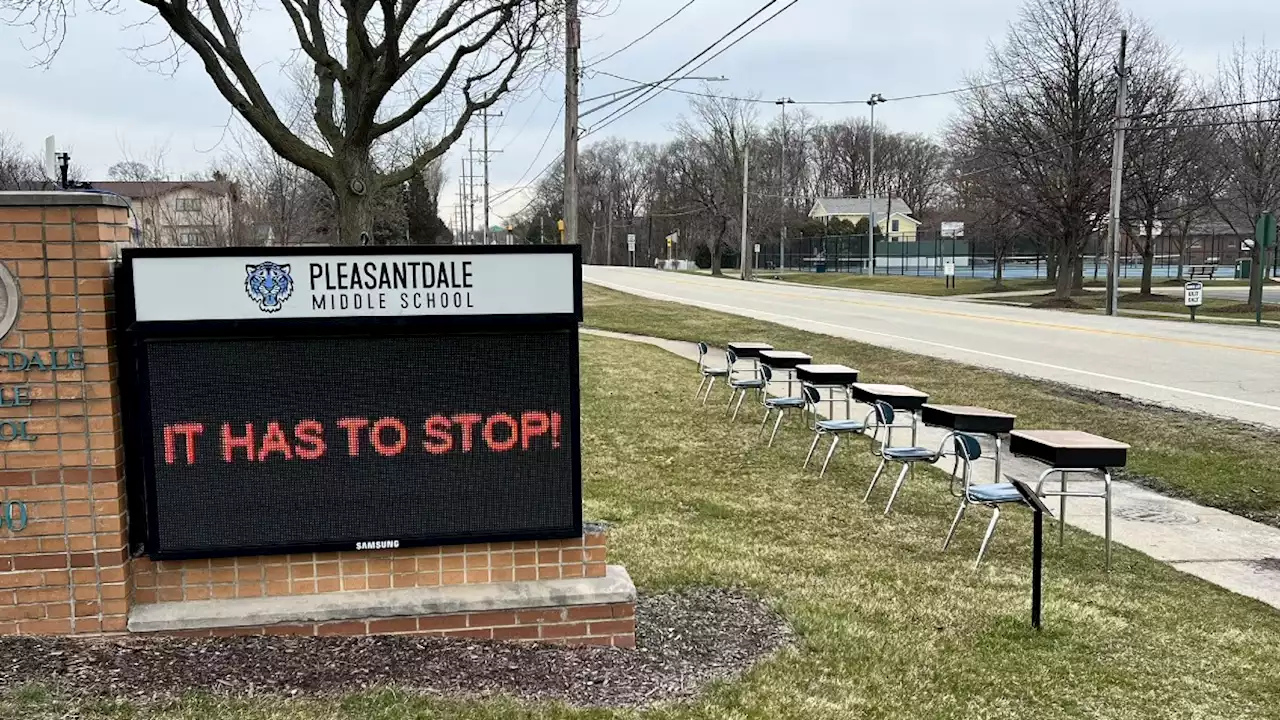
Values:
[(841, 375), (900, 397), (783, 359), (825, 369), (1069, 448), (1069, 440), (889, 390), (746, 350), (967, 418)]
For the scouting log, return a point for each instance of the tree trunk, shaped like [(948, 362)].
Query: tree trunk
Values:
[(354, 193), (1148, 254), (715, 258), (1051, 266), (1182, 255), (355, 217), (1066, 276), (999, 271)]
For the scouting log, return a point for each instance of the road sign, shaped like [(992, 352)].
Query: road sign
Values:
[(949, 269), (631, 242), (757, 247), (1193, 294), (1265, 231)]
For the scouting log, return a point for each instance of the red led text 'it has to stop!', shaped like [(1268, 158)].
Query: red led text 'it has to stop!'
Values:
[(190, 443)]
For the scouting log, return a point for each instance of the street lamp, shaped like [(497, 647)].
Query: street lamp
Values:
[(876, 99), (786, 188)]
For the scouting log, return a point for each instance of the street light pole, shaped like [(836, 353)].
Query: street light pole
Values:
[(786, 188), (876, 99)]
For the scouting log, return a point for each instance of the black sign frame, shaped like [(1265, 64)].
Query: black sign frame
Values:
[(134, 378)]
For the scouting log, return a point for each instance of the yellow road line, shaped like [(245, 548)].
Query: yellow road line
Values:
[(1008, 321)]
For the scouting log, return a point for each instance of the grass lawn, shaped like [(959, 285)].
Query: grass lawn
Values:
[(1212, 307), (910, 284), (1213, 462), (888, 626), (936, 286)]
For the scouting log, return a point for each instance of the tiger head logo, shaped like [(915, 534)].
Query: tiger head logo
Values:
[(269, 285)]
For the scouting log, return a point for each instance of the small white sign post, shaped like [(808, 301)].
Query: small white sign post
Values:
[(949, 272), (1193, 297), (631, 247), (757, 253)]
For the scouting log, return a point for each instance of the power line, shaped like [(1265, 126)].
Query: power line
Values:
[(631, 44), (534, 182), (1223, 123), (1224, 106), (691, 92), (1034, 154), (648, 94), (954, 91), (545, 140)]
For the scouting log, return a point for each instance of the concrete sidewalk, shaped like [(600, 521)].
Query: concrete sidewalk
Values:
[(1237, 554)]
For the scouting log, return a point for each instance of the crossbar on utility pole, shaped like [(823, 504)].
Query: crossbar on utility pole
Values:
[(746, 175), (573, 40), (1117, 178)]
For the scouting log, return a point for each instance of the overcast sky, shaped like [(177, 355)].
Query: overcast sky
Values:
[(104, 107)]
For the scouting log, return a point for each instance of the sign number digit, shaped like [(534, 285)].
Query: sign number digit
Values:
[(15, 516)]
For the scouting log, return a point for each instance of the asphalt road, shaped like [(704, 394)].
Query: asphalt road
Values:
[(1217, 369)]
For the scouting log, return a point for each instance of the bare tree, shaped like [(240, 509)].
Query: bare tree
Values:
[(1039, 140), (19, 170), (708, 162), (1246, 156), (376, 66), (1162, 154)]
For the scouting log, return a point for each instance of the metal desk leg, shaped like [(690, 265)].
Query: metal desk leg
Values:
[(1106, 482), (999, 477), (1062, 509), (915, 424)]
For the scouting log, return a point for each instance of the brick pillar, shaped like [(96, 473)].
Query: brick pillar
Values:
[(66, 570)]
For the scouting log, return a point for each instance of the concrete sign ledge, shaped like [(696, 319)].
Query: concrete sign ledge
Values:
[(59, 198), (614, 587)]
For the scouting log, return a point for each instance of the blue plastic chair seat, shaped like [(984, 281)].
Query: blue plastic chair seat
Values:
[(756, 383), (715, 371), (994, 493), (911, 454), (839, 426), (786, 402)]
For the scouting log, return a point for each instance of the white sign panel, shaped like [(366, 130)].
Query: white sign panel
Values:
[(949, 269), (631, 243), (757, 247), (254, 287), (1193, 294)]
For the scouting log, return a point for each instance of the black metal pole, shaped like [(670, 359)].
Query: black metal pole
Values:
[(1037, 562)]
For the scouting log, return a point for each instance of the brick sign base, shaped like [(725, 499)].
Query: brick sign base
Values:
[(65, 565)]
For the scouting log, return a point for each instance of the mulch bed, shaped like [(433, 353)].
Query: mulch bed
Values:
[(685, 640)]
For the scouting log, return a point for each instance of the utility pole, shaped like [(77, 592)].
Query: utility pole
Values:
[(573, 40), (786, 187), (608, 235), (1117, 176), (462, 204), (485, 115), (876, 99), (746, 175)]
